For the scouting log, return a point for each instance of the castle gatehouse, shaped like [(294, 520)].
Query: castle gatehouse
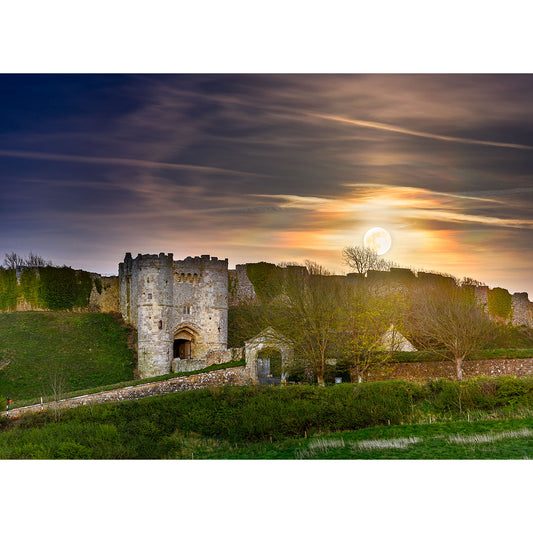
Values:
[(180, 309)]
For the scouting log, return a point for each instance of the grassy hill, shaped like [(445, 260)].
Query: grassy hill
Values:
[(56, 351), (483, 418)]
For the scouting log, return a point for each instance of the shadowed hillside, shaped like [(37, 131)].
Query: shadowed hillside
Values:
[(53, 352)]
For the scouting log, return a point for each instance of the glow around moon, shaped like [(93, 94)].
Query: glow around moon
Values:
[(378, 239)]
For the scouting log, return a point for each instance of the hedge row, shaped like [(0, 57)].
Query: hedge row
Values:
[(247, 414)]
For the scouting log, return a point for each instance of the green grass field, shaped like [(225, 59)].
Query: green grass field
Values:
[(392, 420), (489, 439), (60, 350)]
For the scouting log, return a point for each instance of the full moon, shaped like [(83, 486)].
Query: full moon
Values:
[(378, 239)]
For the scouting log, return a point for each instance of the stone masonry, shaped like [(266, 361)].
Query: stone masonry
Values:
[(180, 308), (217, 378), (429, 370)]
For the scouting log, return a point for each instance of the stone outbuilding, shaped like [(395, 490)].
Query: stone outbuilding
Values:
[(268, 338)]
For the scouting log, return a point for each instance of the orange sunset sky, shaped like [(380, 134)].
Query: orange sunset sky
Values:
[(271, 168)]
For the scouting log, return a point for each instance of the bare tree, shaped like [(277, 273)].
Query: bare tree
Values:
[(12, 260), (362, 259), (369, 338), (34, 260), (447, 320), (471, 282), (54, 387)]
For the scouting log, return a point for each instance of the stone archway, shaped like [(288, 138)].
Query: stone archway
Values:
[(268, 338), (185, 335)]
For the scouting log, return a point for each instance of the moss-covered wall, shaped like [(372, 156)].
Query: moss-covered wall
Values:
[(53, 288), (266, 278), (499, 303)]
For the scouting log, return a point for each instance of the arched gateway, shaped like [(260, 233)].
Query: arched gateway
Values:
[(268, 338)]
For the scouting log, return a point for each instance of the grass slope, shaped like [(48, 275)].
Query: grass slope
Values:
[(392, 420), (78, 350)]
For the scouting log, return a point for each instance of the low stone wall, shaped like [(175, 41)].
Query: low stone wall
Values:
[(188, 365), (213, 357), (425, 371), (218, 357), (217, 378)]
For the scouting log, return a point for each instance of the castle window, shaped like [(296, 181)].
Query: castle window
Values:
[(147, 280), (160, 324), (150, 296), (186, 309)]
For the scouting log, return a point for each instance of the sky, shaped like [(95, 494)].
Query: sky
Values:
[(271, 168)]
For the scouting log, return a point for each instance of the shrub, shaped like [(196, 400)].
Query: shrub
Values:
[(513, 391)]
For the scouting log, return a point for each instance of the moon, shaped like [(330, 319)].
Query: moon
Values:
[(378, 239)]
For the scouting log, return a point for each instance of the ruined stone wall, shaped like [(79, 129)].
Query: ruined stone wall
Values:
[(482, 296), (240, 288), (107, 300), (103, 298), (521, 309)]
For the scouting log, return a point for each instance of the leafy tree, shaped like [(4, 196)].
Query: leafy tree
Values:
[(308, 313), (362, 259), (369, 335), (447, 320)]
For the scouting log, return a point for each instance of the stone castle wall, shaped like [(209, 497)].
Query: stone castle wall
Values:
[(103, 298), (107, 300), (240, 288), (169, 300)]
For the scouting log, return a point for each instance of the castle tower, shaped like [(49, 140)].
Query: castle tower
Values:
[(180, 309)]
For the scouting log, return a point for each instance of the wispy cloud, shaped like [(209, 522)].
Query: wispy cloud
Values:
[(400, 203), (139, 163), (406, 131)]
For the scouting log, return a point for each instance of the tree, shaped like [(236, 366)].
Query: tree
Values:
[(369, 316), (34, 260), (12, 260), (54, 387), (309, 314), (362, 259), (448, 321), (465, 282)]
